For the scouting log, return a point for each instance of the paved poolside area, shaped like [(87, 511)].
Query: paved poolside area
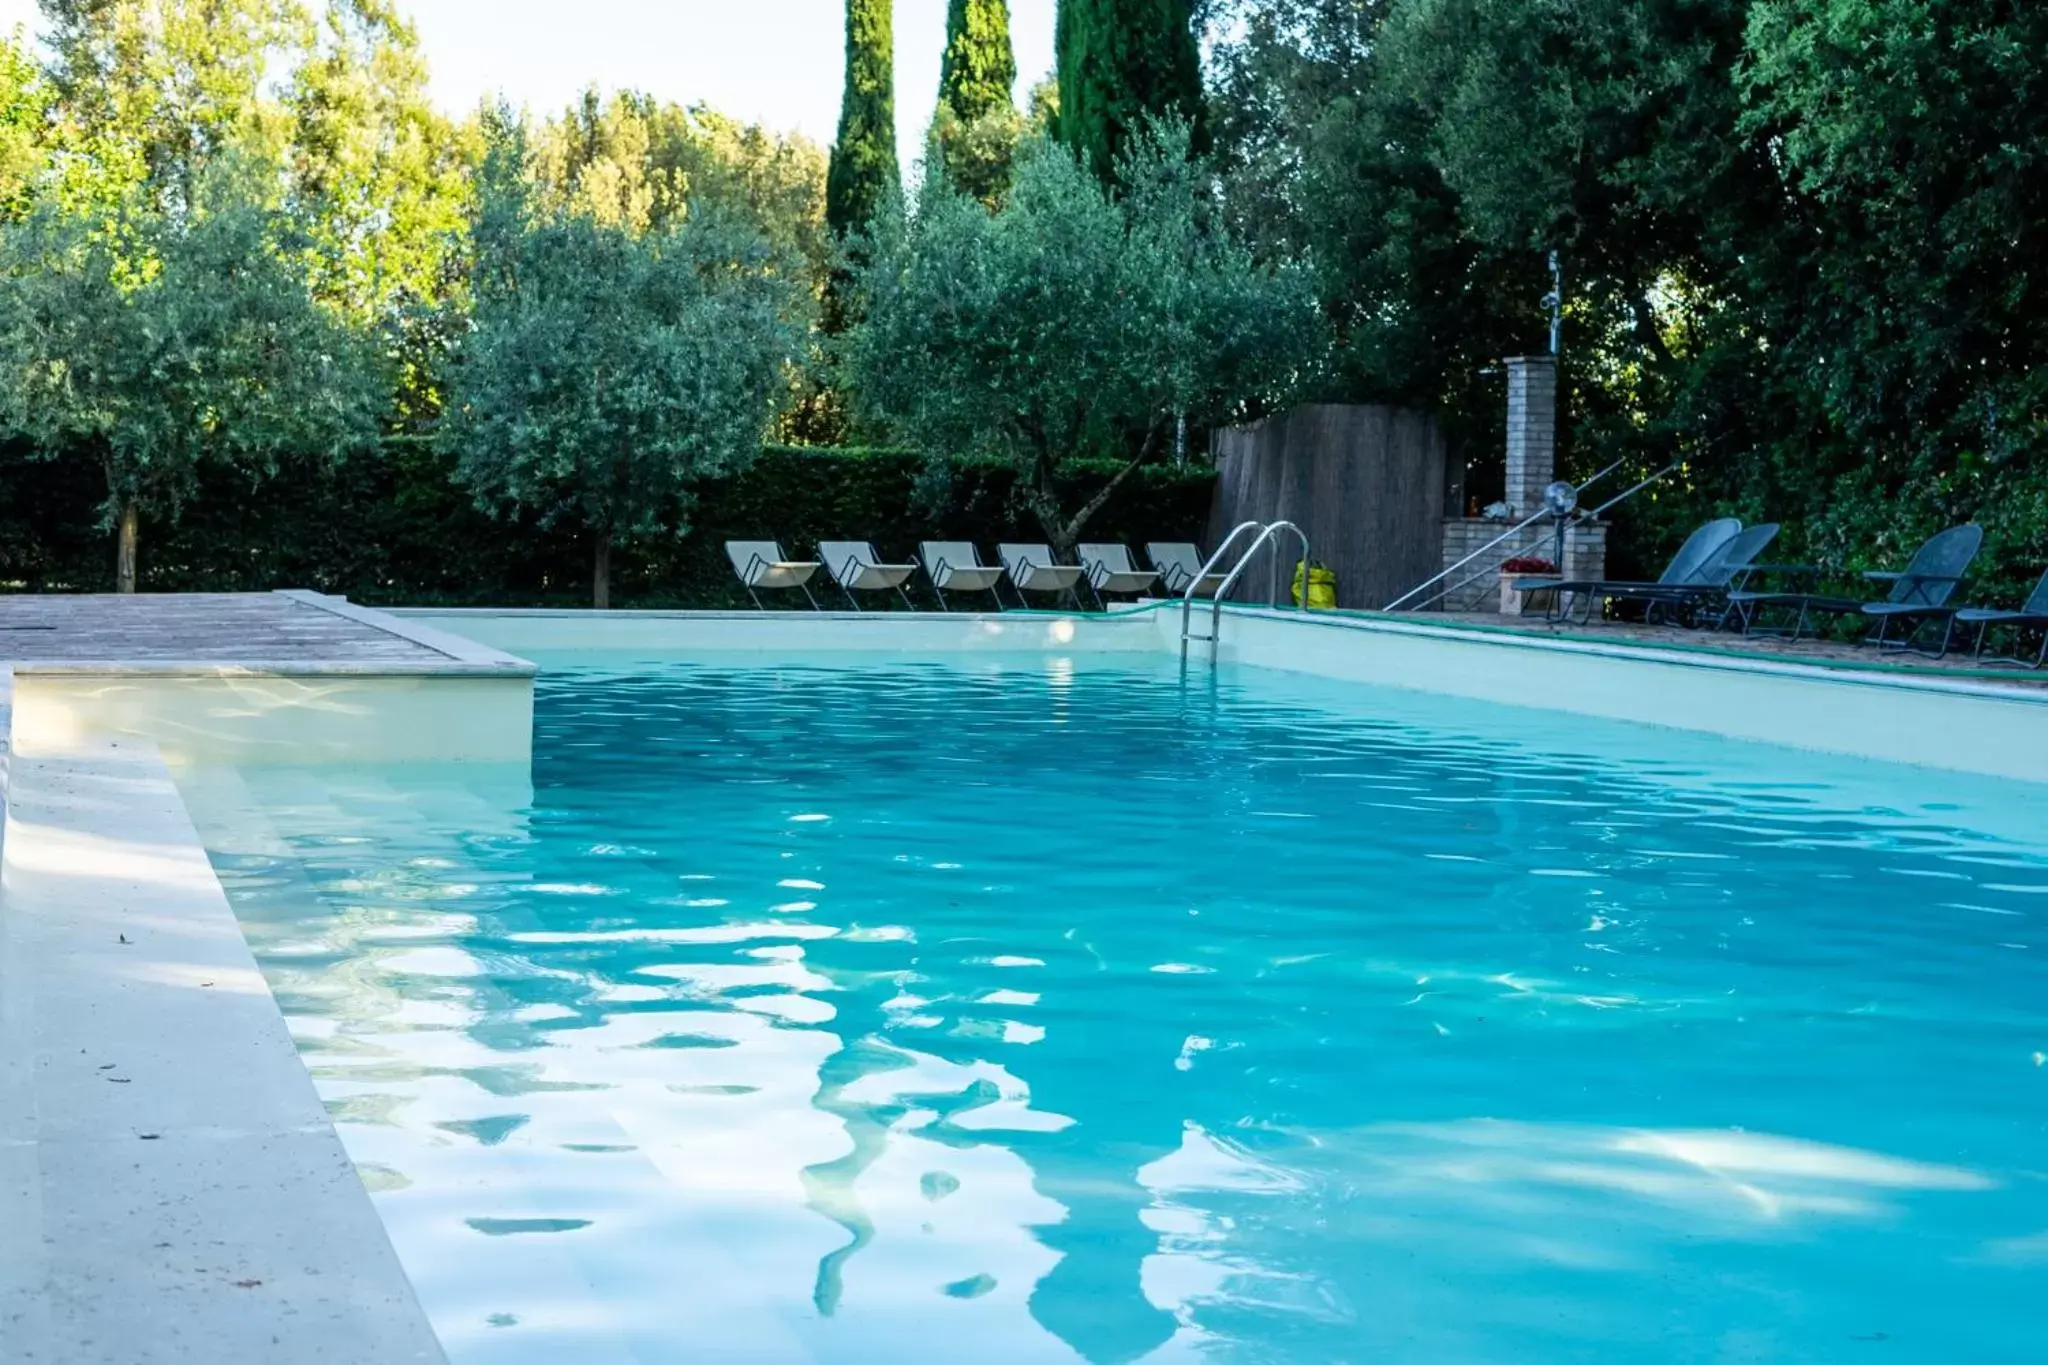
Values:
[(1774, 647)]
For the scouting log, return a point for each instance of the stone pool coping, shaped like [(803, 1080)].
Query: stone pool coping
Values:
[(171, 1189)]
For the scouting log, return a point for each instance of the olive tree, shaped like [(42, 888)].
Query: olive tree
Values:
[(605, 371), (1072, 321), (155, 342)]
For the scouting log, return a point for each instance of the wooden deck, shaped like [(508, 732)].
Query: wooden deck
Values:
[(208, 628), (1958, 663)]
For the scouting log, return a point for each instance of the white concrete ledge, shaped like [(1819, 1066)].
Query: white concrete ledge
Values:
[(170, 1187), (795, 632), (1961, 724)]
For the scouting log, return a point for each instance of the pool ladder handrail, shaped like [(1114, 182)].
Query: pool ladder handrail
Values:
[(1266, 533)]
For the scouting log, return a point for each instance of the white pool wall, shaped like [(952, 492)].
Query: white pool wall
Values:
[(226, 715), (1991, 728), (1962, 724), (786, 633)]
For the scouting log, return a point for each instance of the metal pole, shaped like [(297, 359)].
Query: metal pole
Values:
[(1555, 300), (1516, 529), (1631, 492)]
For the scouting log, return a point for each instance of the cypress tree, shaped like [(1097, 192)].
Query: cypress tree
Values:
[(1120, 61), (979, 67), (864, 156)]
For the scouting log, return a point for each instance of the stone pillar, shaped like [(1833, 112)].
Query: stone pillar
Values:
[(1532, 431)]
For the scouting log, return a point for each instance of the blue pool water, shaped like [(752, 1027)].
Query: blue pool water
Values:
[(1033, 1011)]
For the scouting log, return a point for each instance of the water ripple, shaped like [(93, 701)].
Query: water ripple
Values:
[(1054, 1013)]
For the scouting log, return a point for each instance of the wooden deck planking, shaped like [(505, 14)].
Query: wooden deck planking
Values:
[(219, 628)]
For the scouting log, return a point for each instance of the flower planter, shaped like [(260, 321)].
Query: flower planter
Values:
[(1514, 603), (1523, 568)]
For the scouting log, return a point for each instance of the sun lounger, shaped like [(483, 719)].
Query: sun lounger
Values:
[(1031, 569), (761, 564), (956, 565), (1108, 568), (1179, 565), (2032, 615), (1695, 557), (1727, 569), (855, 567), (1918, 595)]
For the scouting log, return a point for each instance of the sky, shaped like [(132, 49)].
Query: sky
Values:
[(778, 62)]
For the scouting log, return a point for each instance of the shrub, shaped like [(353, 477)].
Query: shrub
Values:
[(393, 528)]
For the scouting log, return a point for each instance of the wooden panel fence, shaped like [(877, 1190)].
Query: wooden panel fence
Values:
[(1366, 483)]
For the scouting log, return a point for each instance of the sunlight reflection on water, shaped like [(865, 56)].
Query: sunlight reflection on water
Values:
[(912, 1013)]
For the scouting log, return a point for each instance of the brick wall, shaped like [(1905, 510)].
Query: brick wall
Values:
[(1531, 431), (1585, 556), (1531, 468)]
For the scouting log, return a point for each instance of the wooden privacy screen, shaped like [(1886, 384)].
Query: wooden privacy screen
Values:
[(1367, 484)]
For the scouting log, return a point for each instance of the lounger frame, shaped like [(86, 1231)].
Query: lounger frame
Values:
[(854, 565), (1032, 569), (756, 569), (1107, 568), (971, 576)]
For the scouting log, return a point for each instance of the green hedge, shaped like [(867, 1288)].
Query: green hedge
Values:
[(395, 528)]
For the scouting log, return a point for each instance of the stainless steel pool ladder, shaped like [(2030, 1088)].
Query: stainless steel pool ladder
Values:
[(1266, 533)]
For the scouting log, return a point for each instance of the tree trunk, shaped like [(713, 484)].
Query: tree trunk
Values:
[(124, 552), (1065, 536), (601, 573)]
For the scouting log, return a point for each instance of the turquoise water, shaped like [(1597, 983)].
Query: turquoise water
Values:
[(1032, 1011)]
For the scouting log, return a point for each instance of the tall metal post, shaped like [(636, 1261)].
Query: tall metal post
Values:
[(1554, 301)]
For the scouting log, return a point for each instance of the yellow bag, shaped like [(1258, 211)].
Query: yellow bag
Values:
[(1322, 587)]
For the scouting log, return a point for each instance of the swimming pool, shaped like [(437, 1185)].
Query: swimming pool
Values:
[(1051, 1010)]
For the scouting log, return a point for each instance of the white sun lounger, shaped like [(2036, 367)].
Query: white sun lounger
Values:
[(1031, 569), (956, 565), (1180, 564), (1109, 569), (761, 564), (855, 567)]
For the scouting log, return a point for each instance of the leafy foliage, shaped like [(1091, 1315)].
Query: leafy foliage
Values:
[(395, 527), (978, 66), (639, 163), (378, 180), (1123, 64), (606, 372), (150, 92), (976, 128), (1801, 242), (863, 174), (24, 107), (1070, 323), (162, 344)]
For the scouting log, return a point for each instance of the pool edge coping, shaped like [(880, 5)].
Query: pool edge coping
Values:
[(315, 1283), (1976, 683)]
